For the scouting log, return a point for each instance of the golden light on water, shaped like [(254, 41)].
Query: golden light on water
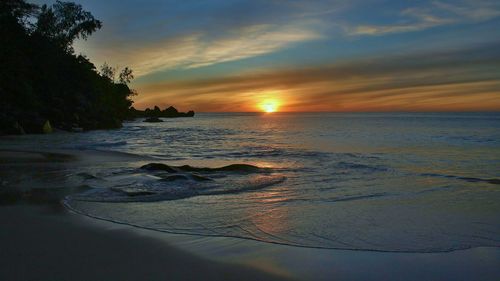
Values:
[(269, 106)]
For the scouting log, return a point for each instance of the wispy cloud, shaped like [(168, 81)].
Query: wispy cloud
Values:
[(197, 50), (436, 13), (452, 80), (165, 39)]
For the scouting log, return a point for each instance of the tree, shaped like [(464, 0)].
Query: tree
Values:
[(64, 22), (108, 72), (18, 10), (42, 79), (126, 75)]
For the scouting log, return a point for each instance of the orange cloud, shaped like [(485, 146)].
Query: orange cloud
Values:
[(459, 80)]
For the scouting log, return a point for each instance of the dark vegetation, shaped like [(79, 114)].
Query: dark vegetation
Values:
[(45, 85)]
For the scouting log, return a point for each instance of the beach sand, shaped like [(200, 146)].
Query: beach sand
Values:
[(42, 240), (47, 243)]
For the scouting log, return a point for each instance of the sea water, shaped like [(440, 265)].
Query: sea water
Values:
[(405, 182)]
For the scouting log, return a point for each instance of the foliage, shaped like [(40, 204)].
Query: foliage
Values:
[(17, 10), (42, 79), (64, 22), (126, 75), (108, 71)]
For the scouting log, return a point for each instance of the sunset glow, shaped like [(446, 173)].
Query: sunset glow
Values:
[(294, 139), (316, 55), (269, 106)]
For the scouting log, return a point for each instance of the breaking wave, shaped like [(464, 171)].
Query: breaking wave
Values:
[(159, 182)]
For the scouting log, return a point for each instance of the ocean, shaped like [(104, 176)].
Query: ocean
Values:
[(396, 182)]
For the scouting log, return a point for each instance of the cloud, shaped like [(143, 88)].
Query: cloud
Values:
[(462, 79), (197, 50), (167, 35), (435, 14), (249, 42), (163, 36)]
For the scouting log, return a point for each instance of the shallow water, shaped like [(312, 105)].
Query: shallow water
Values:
[(376, 181)]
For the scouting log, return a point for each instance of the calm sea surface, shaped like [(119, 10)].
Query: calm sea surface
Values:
[(417, 182)]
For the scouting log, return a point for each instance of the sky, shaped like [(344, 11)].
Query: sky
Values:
[(234, 56)]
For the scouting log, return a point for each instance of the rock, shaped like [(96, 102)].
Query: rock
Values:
[(47, 128), (153, 120), (200, 178), (159, 167), (170, 112), (493, 181), (174, 178)]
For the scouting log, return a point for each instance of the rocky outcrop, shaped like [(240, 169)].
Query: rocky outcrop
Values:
[(153, 120), (156, 112)]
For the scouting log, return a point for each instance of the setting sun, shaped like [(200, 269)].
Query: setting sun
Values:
[(269, 106)]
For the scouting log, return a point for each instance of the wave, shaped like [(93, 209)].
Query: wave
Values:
[(467, 179), (177, 182), (364, 167), (108, 144)]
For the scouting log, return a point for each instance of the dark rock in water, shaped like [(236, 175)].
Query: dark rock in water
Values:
[(187, 168), (134, 192), (244, 168), (194, 177), (156, 111), (139, 193), (159, 167), (153, 120), (200, 178), (170, 112), (229, 168), (174, 178), (239, 168), (493, 181)]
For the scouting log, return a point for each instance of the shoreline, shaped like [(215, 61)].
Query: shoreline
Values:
[(48, 244), (43, 240), (303, 263), (252, 240)]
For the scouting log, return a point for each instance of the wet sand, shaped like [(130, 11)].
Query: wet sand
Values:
[(43, 243), (41, 240)]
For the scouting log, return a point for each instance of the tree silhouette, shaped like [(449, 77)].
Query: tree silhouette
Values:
[(108, 71), (41, 79), (64, 22), (126, 75), (18, 10)]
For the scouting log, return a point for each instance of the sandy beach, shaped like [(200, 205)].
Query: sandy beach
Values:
[(250, 140), (47, 243), (42, 240)]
